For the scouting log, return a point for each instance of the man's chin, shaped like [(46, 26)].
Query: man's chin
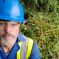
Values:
[(6, 43), (7, 40)]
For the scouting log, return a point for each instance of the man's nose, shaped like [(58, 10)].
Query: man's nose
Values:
[(8, 28)]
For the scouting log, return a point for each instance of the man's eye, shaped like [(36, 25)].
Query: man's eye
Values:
[(13, 24), (1, 23)]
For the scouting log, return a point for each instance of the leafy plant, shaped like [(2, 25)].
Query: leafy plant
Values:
[(42, 25)]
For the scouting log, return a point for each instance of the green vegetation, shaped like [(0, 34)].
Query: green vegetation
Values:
[(42, 26)]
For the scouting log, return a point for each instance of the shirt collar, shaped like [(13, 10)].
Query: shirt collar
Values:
[(20, 37)]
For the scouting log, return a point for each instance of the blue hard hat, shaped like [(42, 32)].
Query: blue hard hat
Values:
[(11, 10)]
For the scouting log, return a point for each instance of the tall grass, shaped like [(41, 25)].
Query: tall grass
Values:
[(44, 30)]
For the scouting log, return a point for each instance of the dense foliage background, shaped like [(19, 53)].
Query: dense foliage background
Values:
[(42, 25)]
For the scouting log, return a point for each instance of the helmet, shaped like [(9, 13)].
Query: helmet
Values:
[(11, 10)]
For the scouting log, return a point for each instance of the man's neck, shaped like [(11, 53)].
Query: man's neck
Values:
[(6, 48)]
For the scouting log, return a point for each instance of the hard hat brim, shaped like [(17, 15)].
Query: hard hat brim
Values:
[(12, 18)]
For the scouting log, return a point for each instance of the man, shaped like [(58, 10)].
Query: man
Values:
[(12, 44)]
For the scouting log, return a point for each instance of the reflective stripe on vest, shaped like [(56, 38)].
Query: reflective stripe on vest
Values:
[(18, 53), (25, 49), (29, 48)]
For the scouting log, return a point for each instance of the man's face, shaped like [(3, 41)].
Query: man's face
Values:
[(8, 32)]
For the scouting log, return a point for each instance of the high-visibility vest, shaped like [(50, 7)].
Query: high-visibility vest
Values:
[(25, 48)]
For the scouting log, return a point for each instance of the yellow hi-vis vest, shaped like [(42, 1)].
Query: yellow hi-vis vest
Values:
[(25, 49)]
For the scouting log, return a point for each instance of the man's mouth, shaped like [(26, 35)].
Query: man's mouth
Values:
[(7, 36)]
